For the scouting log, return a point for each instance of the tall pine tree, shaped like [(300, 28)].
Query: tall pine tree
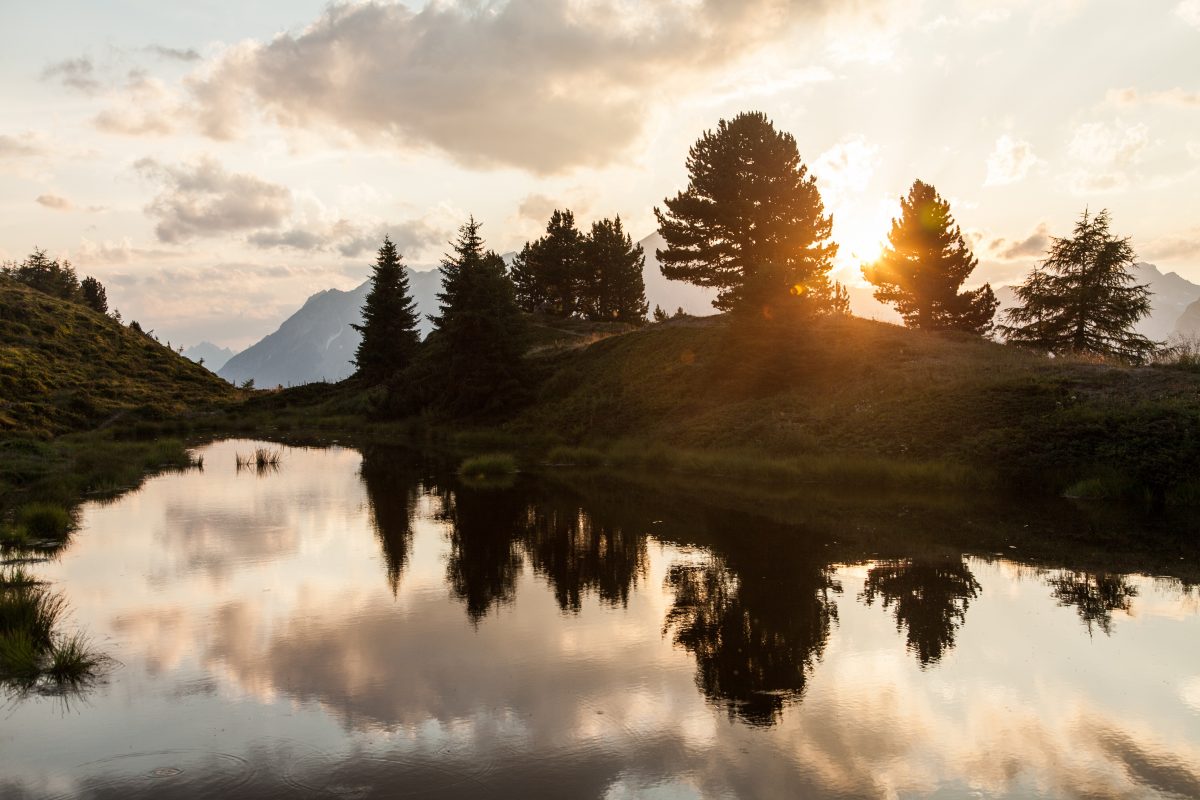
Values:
[(548, 273), (613, 287), (93, 295), (924, 266), (751, 222), (476, 350), (389, 328), (1083, 298)]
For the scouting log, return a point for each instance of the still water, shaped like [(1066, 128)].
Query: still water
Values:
[(354, 625)]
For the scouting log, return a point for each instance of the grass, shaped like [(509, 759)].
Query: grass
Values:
[(563, 456), (31, 648), (15, 577), (262, 460), (488, 465), (45, 521)]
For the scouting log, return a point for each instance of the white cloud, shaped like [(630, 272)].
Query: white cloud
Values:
[(203, 199), (845, 169), (543, 86), (1189, 12), (55, 202), (1098, 143), (1178, 97), (1010, 161)]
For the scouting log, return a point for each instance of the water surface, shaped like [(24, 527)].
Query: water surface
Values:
[(353, 626)]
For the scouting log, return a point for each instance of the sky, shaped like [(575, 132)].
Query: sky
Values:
[(214, 163)]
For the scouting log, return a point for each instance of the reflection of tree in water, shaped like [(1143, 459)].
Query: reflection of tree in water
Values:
[(392, 493), (485, 558), (930, 598), (578, 553), (755, 640), (1094, 595)]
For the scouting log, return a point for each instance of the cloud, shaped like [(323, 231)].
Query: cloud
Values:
[(17, 147), (74, 73), (1177, 97), (534, 84), (1103, 144), (846, 168), (121, 252), (203, 199), (55, 202), (1189, 12), (1010, 161), (1033, 245), (146, 107), (350, 239), (1179, 247), (173, 54)]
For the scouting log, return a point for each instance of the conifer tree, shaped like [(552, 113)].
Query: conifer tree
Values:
[(1083, 298), (660, 315), (47, 275), (751, 222), (548, 272), (613, 287), (389, 326), (477, 346), (924, 266), (93, 294)]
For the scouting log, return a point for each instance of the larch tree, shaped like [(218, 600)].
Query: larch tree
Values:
[(923, 268), (477, 347), (613, 287), (389, 327), (751, 223), (1083, 298)]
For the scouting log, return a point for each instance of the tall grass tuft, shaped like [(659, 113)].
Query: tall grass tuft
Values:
[(32, 611), (71, 660), (15, 578), (45, 521), (488, 465)]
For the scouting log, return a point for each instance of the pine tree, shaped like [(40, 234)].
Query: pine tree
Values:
[(548, 273), (659, 314), (477, 346), (93, 294), (924, 266), (1082, 298), (613, 287), (46, 275), (389, 327), (751, 222)]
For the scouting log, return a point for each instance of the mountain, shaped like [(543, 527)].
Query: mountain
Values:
[(317, 343), (214, 357), (64, 367), (1188, 326), (1171, 297)]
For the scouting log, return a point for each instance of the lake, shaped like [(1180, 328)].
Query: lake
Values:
[(363, 624)]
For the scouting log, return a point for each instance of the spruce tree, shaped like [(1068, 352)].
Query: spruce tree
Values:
[(548, 273), (751, 222), (477, 347), (92, 292), (613, 287), (924, 266), (46, 275), (389, 326), (1083, 299), (660, 315)]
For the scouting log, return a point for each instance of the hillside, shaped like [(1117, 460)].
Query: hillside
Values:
[(863, 388), (65, 368), (211, 355)]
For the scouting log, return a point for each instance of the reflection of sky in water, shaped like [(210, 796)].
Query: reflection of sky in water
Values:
[(263, 651)]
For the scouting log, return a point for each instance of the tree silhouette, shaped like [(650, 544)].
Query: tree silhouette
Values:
[(924, 267), (579, 554), (485, 555), (392, 493), (389, 328), (754, 644), (93, 295), (476, 350), (929, 598), (1082, 298), (1094, 595), (549, 273), (46, 275), (751, 223), (613, 287)]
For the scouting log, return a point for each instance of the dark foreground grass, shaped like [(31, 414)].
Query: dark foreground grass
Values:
[(33, 653)]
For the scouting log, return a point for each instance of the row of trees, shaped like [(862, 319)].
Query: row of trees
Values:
[(597, 276), (57, 279), (752, 225)]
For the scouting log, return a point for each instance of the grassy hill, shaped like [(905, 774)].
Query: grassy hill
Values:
[(859, 389), (66, 368)]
